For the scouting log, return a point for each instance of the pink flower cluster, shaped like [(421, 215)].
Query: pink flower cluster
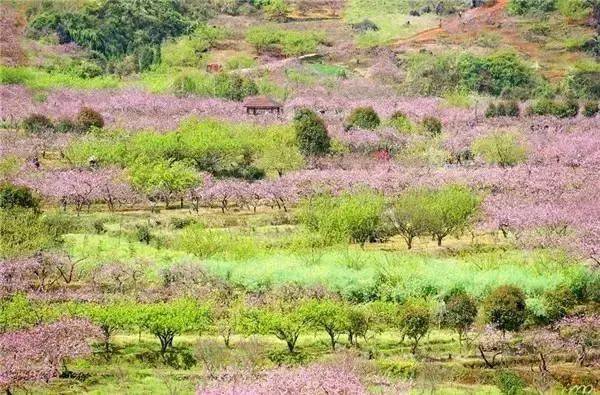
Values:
[(38, 354), (315, 379), (81, 187)]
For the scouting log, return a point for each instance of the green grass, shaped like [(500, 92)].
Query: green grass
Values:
[(39, 79), (245, 259), (390, 16)]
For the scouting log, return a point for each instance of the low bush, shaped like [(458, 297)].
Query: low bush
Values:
[(562, 109), (510, 383), (432, 125), (12, 196), (65, 125), (88, 118), (401, 122), (234, 87), (506, 308), (143, 234), (583, 80), (500, 148), (495, 74), (363, 118), (311, 133), (184, 85), (364, 26), (521, 7), (503, 109), (590, 109), (37, 123)]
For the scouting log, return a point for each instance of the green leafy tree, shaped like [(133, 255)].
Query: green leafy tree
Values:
[(407, 216), (414, 321), (330, 316), (12, 196), (374, 317), (449, 210), (115, 28), (500, 148), (311, 133), (460, 313), (506, 308), (280, 153), (25, 232), (110, 318), (349, 217), (163, 180), (286, 321), (166, 320), (18, 312)]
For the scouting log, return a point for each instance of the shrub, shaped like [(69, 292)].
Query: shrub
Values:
[(584, 80), (414, 322), (460, 313), (184, 85), (566, 109), (590, 109), (495, 74), (311, 133), (506, 308), (143, 234), (503, 109), (65, 125), (509, 383), (562, 109), (234, 87), (88, 118), (98, 226), (37, 123), (277, 10), (349, 217), (364, 118), (521, 7), (181, 222), (12, 196), (558, 302), (401, 122), (500, 148), (432, 125)]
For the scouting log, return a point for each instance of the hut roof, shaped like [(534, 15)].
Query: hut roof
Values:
[(261, 102)]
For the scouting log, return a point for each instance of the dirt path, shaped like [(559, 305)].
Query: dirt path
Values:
[(471, 20)]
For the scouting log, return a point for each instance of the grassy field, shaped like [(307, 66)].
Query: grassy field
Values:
[(391, 17)]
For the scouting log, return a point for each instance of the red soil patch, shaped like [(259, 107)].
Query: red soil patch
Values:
[(474, 19)]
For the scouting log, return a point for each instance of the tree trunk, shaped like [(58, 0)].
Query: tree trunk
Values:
[(487, 363), (332, 338), (291, 344), (439, 240)]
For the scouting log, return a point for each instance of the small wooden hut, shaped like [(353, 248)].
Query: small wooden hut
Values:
[(260, 104)]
